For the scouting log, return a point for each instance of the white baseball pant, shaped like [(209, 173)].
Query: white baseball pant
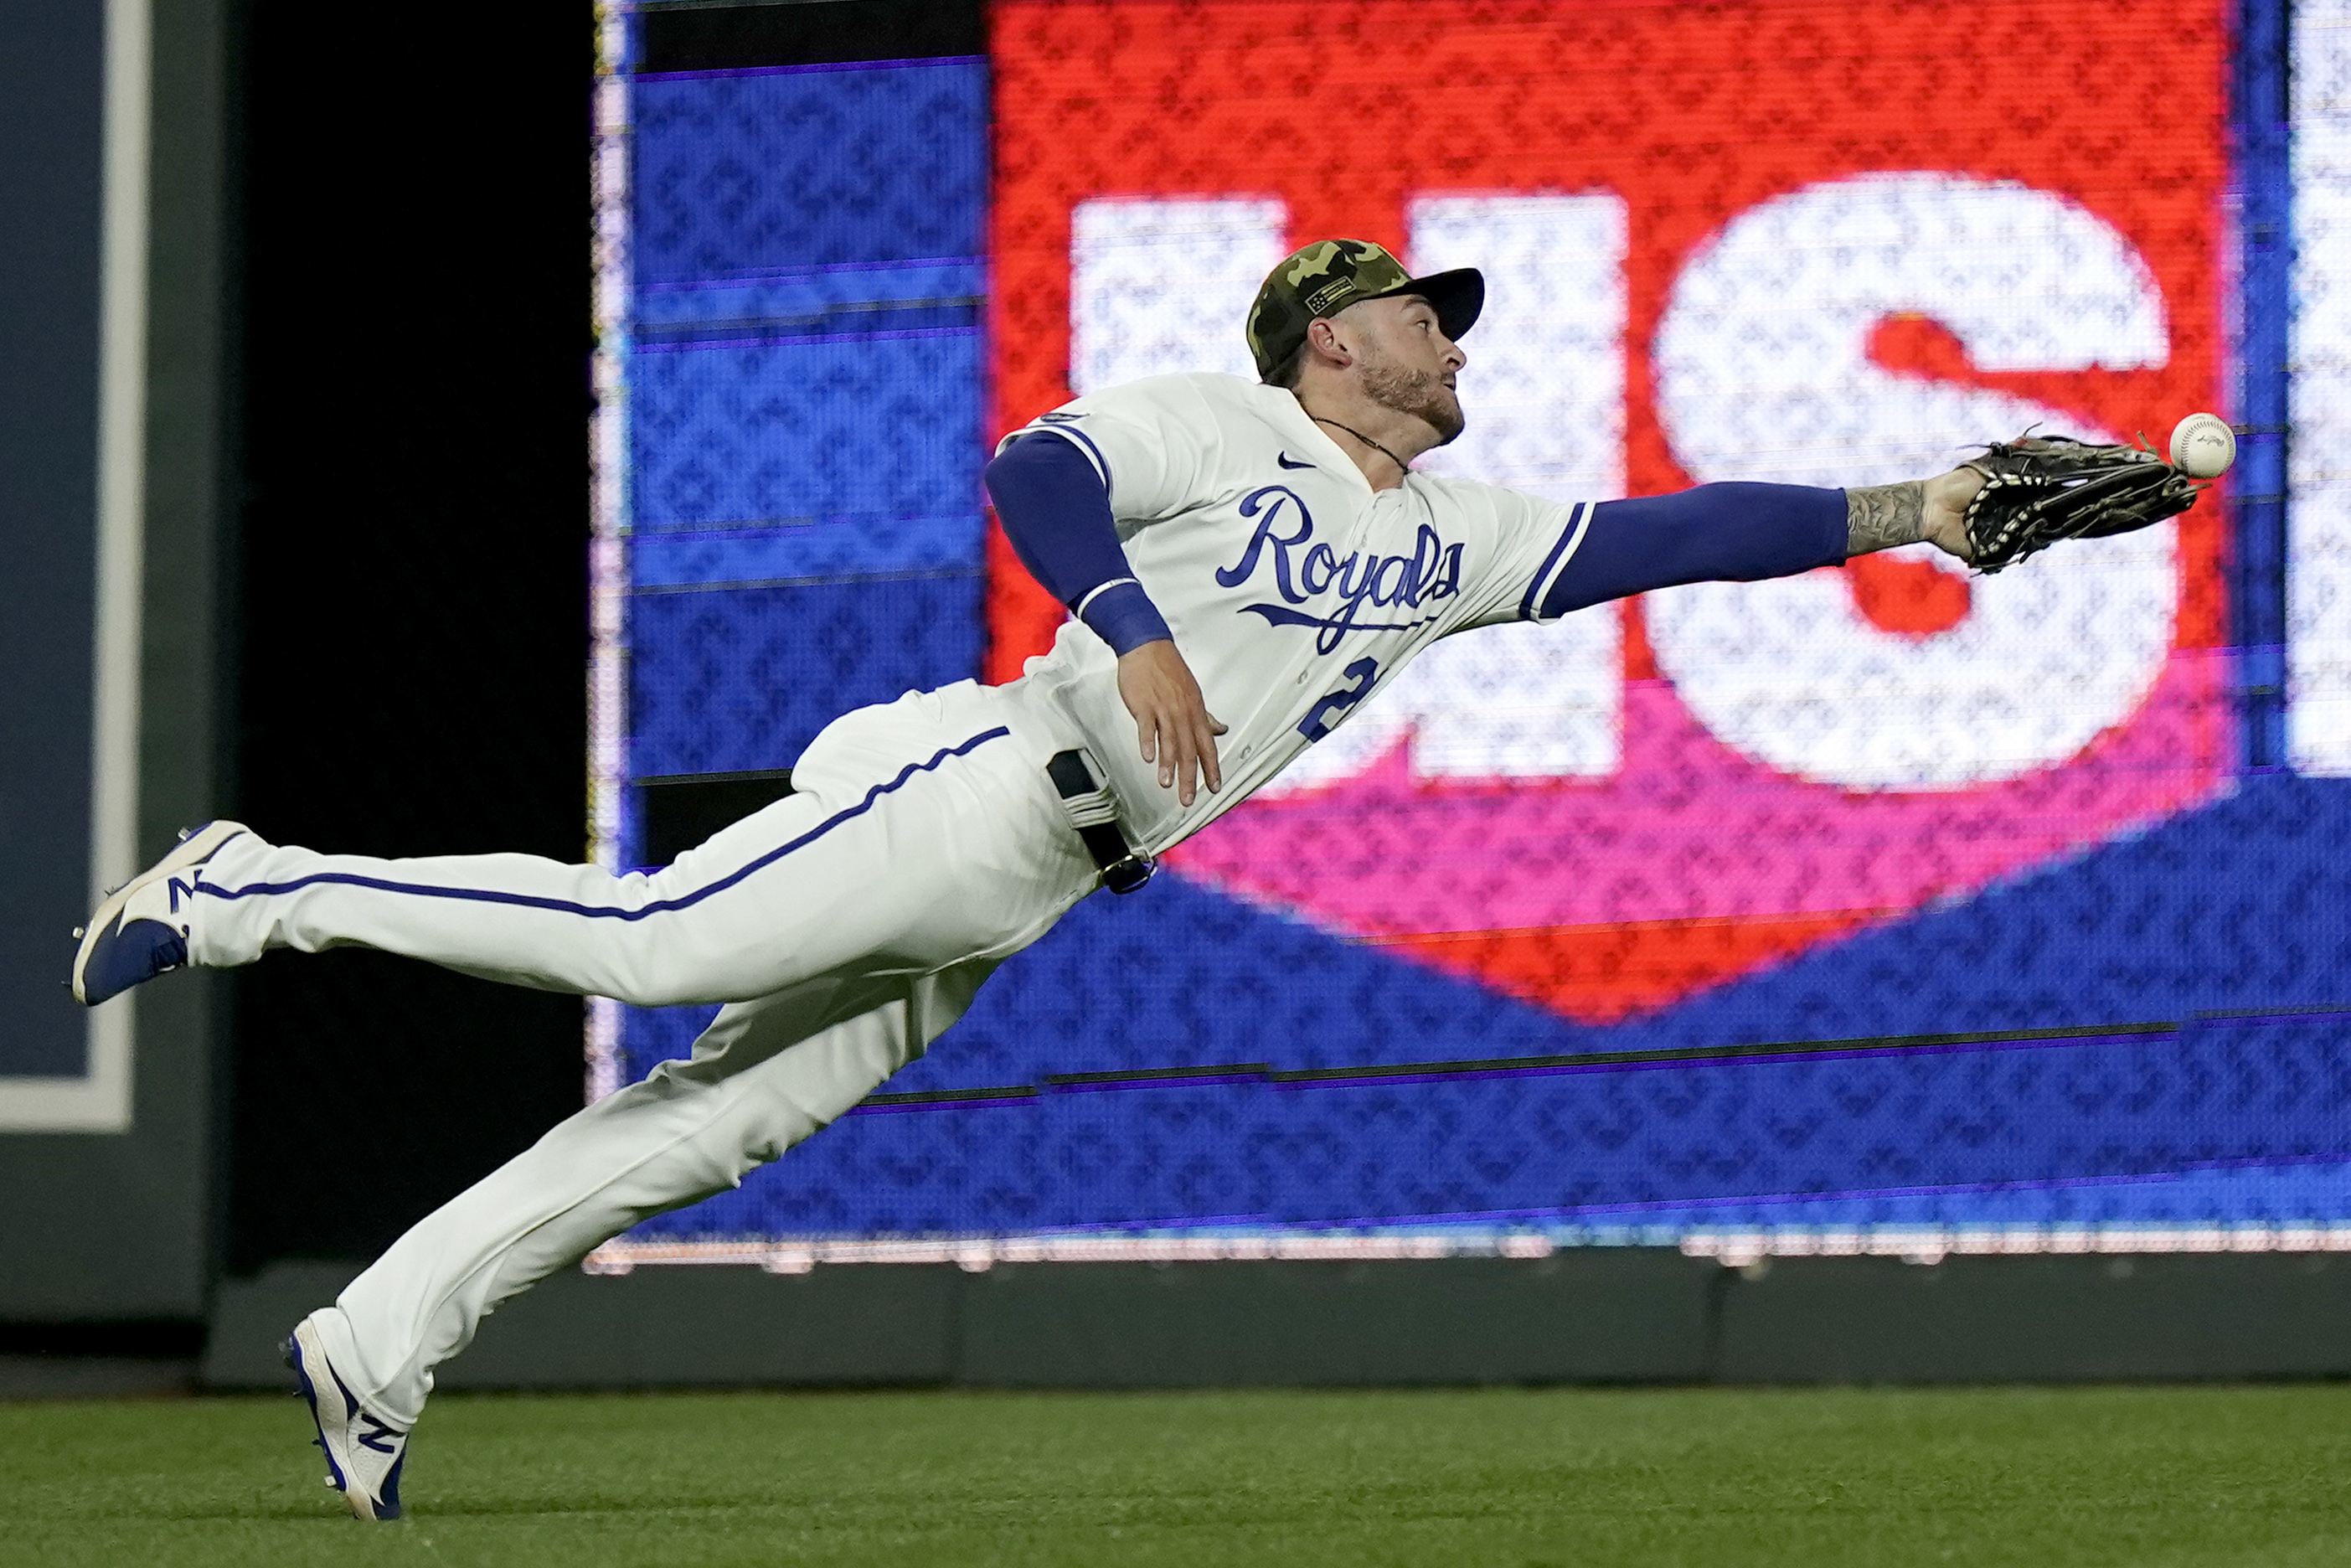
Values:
[(847, 926)]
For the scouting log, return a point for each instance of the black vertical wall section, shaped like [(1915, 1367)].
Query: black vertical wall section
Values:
[(412, 544), (53, 56)]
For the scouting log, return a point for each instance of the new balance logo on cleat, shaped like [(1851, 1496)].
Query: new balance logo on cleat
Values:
[(140, 929), (364, 1451)]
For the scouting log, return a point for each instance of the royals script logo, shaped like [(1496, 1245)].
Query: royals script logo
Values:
[(1337, 594)]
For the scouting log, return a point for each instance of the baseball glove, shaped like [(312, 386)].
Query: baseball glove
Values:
[(2041, 489)]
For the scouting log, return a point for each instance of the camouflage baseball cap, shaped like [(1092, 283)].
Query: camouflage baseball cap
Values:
[(1327, 276)]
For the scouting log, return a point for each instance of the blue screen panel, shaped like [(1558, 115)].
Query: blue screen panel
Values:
[(742, 171), (1865, 1108), (723, 675), (802, 429)]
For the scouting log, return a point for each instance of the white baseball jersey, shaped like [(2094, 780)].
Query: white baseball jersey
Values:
[(1294, 590)]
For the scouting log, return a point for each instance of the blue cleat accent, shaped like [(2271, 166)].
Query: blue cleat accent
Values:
[(140, 930), (364, 1452), (132, 952)]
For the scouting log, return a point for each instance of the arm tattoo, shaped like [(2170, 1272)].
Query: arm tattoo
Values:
[(1879, 516)]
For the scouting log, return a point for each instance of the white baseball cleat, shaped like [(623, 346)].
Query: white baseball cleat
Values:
[(364, 1452), (140, 930)]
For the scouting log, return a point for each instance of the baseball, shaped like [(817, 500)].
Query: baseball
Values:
[(2203, 446)]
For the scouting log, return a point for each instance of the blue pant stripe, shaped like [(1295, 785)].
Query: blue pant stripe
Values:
[(564, 907)]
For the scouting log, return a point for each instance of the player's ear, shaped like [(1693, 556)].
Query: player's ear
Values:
[(1323, 337)]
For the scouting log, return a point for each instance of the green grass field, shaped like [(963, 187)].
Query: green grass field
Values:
[(1720, 1477)]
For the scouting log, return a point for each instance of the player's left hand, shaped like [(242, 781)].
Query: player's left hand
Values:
[(1172, 720), (2039, 490)]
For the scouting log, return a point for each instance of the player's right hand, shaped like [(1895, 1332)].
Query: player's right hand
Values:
[(1172, 721)]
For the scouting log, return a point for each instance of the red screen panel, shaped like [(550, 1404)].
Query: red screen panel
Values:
[(1698, 854)]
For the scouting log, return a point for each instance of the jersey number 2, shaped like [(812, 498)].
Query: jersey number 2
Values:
[(1324, 716)]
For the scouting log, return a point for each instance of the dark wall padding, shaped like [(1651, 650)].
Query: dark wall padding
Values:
[(1597, 1316)]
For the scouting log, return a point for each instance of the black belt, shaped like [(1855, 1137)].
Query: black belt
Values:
[(1093, 811)]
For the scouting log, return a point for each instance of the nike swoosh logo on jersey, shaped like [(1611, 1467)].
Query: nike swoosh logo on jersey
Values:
[(1284, 458)]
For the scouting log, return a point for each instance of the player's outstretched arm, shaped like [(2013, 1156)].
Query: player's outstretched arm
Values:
[(1741, 531), (1879, 516), (1172, 721)]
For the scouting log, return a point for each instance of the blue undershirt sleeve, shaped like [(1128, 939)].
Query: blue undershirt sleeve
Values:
[(1056, 512), (1739, 532)]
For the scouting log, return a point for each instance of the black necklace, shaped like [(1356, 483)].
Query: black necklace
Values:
[(1365, 440)]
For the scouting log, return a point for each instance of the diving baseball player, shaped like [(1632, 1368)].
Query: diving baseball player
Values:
[(1246, 564)]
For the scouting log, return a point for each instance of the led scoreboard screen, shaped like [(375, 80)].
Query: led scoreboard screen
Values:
[(1882, 901)]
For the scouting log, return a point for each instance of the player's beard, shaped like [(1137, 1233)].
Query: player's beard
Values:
[(1416, 392)]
